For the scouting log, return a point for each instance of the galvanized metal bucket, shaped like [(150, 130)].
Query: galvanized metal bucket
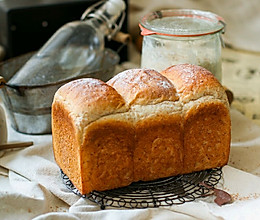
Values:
[(29, 107)]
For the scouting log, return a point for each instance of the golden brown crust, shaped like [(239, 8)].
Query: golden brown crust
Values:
[(65, 143), (159, 147), (140, 125), (206, 136), (107, 155)]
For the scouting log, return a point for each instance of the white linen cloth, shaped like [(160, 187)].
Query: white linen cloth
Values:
[(32, 188)]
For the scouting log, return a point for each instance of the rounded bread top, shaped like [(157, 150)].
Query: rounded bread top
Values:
[(89, 98), (192, 82), (143, 86)]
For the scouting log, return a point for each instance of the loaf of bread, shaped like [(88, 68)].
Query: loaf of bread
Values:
[(140, 125)]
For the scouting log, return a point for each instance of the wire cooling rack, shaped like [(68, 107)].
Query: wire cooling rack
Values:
[(162, 192)]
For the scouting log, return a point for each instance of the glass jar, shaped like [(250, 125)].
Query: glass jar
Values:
[(182, 36)]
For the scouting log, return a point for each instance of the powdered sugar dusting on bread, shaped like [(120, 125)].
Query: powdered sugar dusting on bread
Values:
[(139, 77), (193, 82), (143, 86), (92, 94)]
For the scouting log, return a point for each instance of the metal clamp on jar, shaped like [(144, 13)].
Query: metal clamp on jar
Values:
[(182, 36)]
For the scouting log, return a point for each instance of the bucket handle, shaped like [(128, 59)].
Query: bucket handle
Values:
[(2, 82)]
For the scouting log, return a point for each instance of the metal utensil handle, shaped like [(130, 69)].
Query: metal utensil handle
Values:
[(16, 145)]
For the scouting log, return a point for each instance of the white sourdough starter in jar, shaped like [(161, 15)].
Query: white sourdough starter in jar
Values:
[(182, 36)]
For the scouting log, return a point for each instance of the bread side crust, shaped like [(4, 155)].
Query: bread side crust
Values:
[(107, 154), (207, 135), (159, 147), (66, 144)]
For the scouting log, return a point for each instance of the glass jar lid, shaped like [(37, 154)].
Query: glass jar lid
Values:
[(181, 23)]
